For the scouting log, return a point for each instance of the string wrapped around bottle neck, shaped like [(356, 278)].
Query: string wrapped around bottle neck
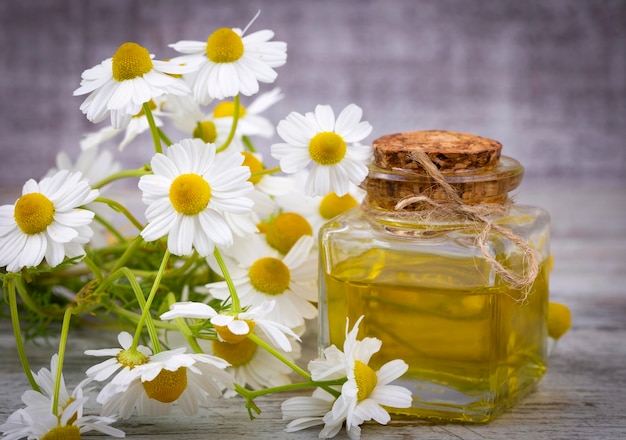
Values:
[(480, 215)]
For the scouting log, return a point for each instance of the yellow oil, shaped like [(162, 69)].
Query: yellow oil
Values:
[(472, 347)]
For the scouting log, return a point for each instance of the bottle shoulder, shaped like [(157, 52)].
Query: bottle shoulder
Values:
[(360, 229)]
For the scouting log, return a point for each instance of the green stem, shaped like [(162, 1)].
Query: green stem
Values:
[(126, 272), (121, 175), (289, 387), (153, 128), (233, 127), (28, 301), (248, 143), (145, 314), (251, 395), (110, 228), (260, 342), (135, 317), (164, 137), (127, 253), (265, 171), (19, 342), (116, 206), (93, 267), (62, 343), (234, 298)]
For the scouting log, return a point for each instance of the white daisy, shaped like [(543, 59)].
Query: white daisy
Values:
[(37, 421), (46, 222), (304, 412), (319, 138), (234, 328), (317, 210), (254, 367), (93, 164), (190, 189), (122, 358), (366, 391), (249, 120), (230, 63), (290, 281), (203, 126), (170, 376), (122, 84)]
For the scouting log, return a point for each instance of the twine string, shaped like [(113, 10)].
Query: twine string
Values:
[(479, 215)]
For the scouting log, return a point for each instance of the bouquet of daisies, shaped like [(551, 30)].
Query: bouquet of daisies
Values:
[(210, 293)]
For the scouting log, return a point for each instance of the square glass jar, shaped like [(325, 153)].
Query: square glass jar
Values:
[(474, 343)]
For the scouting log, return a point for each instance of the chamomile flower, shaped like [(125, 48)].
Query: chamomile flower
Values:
[(190, 189), (253, 366), (234, 328), (93, 164), (366, 391), (249, 120), (123, 359), (331, 144), (317, 210), (169, 376), (36, 420), (204, 126), (46, 222), (120, 85), (290, 281), (230, 63)]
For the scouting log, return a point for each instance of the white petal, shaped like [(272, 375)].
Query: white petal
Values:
[(325, 117), (180, 240), (189, 310), (391, 371)]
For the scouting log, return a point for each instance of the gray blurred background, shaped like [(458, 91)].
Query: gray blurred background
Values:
[(547, 78)]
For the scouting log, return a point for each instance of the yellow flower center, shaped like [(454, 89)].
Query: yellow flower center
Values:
[(224, 46), (131, 358), (332, 205), (226, 109), (559, 319), (206, 131), (167, 386), (237, 354), (33, 213), (69, 432), (327, 148), (285, 230), (190, 194), (270, 276), (131, 61), (365, 379), (255, 165), (229, 336)]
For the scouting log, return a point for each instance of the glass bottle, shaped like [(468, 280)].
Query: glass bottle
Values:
[(450, 275)]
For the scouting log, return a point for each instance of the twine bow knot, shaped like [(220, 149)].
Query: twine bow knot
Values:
[(479, 215)]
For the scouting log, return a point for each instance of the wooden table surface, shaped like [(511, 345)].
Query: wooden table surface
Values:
[(582, 396)]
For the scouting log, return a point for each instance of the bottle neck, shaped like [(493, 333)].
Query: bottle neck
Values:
[(400, 190)]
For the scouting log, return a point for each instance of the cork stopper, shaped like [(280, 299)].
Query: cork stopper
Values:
[(448, 150), (470, 164)]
